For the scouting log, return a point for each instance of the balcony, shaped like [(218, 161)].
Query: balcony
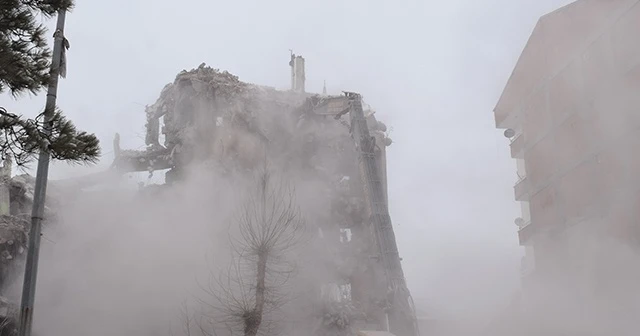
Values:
[(525, 234), (517, 147), (521, 189), (507, 117)]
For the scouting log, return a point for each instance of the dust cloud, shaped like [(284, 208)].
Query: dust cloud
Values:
[(118, 262), (587, 260), (116, 259), (123, 262)]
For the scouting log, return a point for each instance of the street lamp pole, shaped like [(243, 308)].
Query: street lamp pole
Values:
[(37, 212)]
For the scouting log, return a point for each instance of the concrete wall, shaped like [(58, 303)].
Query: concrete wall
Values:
[(579, 123), (579, 127), (558, 38)]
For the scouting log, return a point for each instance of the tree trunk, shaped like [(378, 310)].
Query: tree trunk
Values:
[(254, 318)]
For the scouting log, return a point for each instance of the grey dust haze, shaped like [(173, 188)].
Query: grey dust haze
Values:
[(340, 168)]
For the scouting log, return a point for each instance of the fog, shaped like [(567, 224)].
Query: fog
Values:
[(124, 265), (432, 70)]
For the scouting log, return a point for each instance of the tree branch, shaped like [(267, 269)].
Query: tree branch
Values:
[(23, 139)]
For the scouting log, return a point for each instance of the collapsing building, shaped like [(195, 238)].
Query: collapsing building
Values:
[(209, 116)]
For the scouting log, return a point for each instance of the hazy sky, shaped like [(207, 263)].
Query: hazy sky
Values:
[(432, 69)]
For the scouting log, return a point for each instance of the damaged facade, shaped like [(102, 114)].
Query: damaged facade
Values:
[(210, 116), (16, 199)]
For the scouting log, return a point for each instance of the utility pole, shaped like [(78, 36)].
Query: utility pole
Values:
[(39, 195)]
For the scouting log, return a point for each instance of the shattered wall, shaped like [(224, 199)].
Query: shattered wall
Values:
[(17, 200), (210, 117)]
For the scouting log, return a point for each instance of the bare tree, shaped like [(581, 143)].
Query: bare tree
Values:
[(267, 228)]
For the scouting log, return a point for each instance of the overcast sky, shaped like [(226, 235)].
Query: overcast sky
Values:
[(432, 69)]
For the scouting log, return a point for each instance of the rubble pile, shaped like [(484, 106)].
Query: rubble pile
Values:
[(8, 318), (13, 241), (196, 111), (337, 319), (14, 229), (21, 195)]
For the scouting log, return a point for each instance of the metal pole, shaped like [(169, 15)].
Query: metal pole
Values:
[(37, 212)]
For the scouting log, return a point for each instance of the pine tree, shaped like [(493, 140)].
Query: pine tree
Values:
[(24, 67)]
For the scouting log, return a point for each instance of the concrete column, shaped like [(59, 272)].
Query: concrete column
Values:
[(297, 73)]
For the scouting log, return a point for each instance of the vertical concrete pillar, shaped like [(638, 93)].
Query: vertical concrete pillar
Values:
[(297, 73)]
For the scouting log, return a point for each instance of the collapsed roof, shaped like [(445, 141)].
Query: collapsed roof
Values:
[(210, 114)]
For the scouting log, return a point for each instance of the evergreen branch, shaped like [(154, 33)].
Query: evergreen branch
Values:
[(24, 53), (24, 138)]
